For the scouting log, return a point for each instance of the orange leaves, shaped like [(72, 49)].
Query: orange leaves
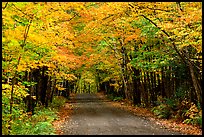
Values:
[(67, 59), (86, 17), (131, 37), (70, 29)]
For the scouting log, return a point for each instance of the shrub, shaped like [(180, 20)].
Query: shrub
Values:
[(18, 109), (185, 111), (38, 124), (114, 98), (165, 108), (162, 111), (22, 123), (117, 98), (58, 101), (194, 116), (43, 128)]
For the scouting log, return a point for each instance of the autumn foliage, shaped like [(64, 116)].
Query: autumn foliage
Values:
[(149, 53)]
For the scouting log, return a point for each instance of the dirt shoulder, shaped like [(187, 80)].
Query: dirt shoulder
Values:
[(64, 114), (169, 124)]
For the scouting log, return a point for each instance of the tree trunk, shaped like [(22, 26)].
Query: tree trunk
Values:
[(163, 81), (69, 87), (144, 90), (159, 84), (53, 90), (195, 84), (44, 78), (136, 84), (48, 95)]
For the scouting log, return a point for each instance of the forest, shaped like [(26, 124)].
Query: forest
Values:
[(148, 53)]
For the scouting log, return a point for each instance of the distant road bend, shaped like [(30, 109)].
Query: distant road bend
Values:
[(94, 116)]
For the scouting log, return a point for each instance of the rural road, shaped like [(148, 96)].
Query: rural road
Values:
[(94, 116)]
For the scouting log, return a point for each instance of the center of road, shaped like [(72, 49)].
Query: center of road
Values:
[(94, 116)]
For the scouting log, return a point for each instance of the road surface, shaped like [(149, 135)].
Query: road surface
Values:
[(94, 116)]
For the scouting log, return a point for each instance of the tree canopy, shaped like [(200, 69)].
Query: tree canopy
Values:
[(138, 50)]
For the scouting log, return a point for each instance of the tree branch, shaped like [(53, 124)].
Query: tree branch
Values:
[(180, 53), (5, 5), (174, 46), (15, 73), (179, 5), (30, 16), (141, 7)]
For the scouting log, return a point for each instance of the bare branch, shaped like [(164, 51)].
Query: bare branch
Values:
[(179, 5), (5, 6), (30, 16)]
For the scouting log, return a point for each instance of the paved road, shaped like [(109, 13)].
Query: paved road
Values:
[(93, 116)]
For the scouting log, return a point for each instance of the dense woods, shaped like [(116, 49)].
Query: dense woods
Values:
[(149, 53)]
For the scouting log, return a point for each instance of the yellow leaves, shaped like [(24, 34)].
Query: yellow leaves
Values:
[(51, 66), (4, 39), (70, 77), (60, 58), (12, 34), (53, 29), (63, 75), (37, 39), (59, 87), (33, 64), (115, 85), (117, 7), (168, 26), (6, 87), (106, 79), (19, 91), (192, 112), (21, 68), (6, 18)]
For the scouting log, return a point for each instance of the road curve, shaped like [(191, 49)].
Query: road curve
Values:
[(94, 116)]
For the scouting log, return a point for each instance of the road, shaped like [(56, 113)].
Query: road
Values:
[(94, 116)]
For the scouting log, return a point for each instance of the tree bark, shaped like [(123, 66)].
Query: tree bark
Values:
[(48, 95), (198, 91), (53, 90), (136, 90), (44, 78)]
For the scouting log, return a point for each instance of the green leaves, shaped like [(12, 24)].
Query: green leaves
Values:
[(80, 27), (27, 83), (150, 60), (90, 38), (20, 21)]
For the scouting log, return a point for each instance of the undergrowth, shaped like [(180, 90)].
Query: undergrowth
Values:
[(114, 98), (185, 111), (39, 123)]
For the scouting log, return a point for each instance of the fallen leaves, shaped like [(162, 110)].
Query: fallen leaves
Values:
[(64, 113)]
